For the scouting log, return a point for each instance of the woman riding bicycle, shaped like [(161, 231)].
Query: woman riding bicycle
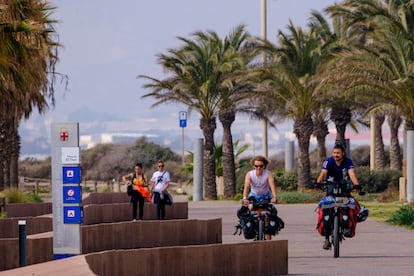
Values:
[(261, 184)]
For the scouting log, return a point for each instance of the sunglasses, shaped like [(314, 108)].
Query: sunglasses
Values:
[(259, 166), (160, 166)]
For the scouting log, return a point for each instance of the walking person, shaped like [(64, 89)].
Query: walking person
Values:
[(140, 192), (160, 181)]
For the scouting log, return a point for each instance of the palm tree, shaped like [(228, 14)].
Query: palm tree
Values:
[(28, 52), (197, 71), (236, 92), (288, 82), (386, 66)]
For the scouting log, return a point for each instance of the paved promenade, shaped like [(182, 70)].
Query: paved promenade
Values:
[(377, 249)]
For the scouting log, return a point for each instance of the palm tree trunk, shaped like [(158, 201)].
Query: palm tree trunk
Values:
[(341, 116), (14, 155), (209, 169), (3, 147), (229, 167), (303, 130), (379, 143), (394, 121), (320, 132)]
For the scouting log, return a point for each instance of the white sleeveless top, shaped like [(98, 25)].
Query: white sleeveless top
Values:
[(259, 185)]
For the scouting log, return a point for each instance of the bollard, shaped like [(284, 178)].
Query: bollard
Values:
[(22, 243)]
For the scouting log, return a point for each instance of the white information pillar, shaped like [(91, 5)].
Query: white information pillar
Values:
[(410, 166), (66, 190)]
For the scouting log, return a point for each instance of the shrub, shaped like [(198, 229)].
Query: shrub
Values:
[(403, 216), (16, 196), (377, 181)]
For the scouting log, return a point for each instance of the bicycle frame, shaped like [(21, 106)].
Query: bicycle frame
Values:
[(337, 200), (260, 216)]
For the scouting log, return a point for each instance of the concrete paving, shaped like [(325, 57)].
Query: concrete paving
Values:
[(377, 249)]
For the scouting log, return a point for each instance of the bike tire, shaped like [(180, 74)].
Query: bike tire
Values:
[(260, 232), (336, 237)]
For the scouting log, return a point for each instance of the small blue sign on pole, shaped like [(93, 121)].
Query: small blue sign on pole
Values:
[(71, 175), (72, 194), (72, 214), (183, 118)]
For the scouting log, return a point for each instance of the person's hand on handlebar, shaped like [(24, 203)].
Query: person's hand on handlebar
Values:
[(273, 200)]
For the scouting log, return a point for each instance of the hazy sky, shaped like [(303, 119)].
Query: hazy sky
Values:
[(108, 43)]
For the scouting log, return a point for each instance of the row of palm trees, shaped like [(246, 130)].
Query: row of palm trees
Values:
[(28, 55), (354, 63)]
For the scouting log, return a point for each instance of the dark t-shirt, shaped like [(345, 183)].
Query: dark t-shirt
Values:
[(335, 172)]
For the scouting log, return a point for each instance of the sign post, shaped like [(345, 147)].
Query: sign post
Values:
[(183, 124), (66, 190)]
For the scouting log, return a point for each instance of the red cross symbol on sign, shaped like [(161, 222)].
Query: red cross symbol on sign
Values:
[(64, 135)]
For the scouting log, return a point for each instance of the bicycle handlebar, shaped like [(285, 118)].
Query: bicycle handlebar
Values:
[(323, 186)]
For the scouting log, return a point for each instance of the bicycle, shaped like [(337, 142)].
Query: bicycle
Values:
[(260, 221), (336, 211)]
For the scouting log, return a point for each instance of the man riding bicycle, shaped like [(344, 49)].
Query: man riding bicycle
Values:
[(339, 168)]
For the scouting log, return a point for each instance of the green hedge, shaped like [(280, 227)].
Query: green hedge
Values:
[(372, 182)]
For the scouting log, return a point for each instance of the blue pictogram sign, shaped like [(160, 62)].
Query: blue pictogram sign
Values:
[(72, 194), (71, 175), (72, 214), (183, 118)]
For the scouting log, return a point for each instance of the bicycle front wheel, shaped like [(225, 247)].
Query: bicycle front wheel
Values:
[(260, 232), (336, 236)]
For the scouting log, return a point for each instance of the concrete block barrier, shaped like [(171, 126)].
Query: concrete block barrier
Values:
[(38, 250), (116, 212), (9, 227), (151, 233), (255, 258), (15, 210)]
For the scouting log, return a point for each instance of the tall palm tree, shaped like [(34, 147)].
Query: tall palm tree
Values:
[(387, 67), (29, 54), (236, 91), (288, 81), (196, 72), (334, 39)]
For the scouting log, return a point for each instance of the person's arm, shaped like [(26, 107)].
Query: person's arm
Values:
[(352, 175), (146, 184), (167, 182), (322, 176), (152, 185), (246, 188), (126, 177), (272, 185)]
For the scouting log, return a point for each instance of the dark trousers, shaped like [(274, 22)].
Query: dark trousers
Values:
[(137, 199), (160, 205)]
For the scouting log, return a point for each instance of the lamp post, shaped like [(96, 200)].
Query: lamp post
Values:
[(264, 37)]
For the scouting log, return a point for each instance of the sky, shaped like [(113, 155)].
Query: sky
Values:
[(107, 44)]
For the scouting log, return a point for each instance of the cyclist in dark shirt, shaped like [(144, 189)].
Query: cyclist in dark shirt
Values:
[(338, 168)]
